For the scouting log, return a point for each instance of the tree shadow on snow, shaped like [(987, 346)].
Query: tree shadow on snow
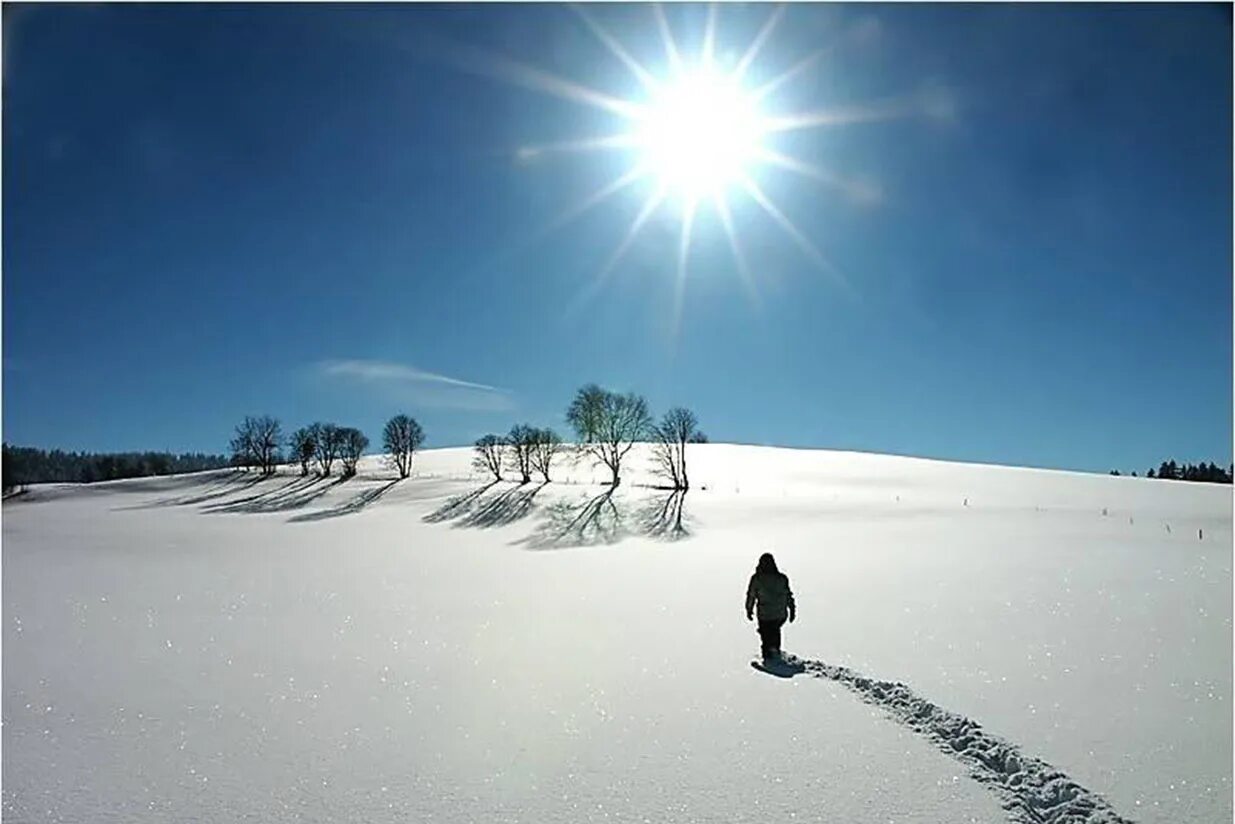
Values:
[(182, 483), (603, 519), (292, 495), (663, 517), (268, 493), (475, 509), (595, 522), (504, 508), (348, 507), (219, 487), (458, 506)]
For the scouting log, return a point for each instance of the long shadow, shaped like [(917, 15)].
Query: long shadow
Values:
[(597, 521), (239, 504), (458, 506), (663, 517), (165, 483), (293, 495), (349, 507), (1032, 791), (235, 481), (503, 509)]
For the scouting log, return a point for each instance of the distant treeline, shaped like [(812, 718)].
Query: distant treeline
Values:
[(1171, 471), (28, 465)]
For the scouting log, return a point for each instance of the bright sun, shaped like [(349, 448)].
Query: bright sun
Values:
[(700, 134)]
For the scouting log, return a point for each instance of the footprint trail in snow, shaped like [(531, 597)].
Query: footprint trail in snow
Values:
[(1033, 791)]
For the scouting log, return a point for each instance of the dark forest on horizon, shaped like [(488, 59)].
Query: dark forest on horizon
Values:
[(23, 465)]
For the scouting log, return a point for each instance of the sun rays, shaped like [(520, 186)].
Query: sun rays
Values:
[(698, 133)]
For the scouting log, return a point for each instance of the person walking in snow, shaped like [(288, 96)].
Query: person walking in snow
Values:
[(769, 590)]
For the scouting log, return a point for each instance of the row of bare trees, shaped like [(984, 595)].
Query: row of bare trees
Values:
[(610, 424), (526, 450), (322, 444), (259, 440), (607, 425)]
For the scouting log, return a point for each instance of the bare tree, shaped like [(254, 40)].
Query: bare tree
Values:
[(489, 454), (326, 445), (269, 441), (303, 448), (521, 444), (699, 437), (676, 429), (545, 448), (241, 446), (608, 426), (352, 444), (586, 412), (401, 438), (257, 443)]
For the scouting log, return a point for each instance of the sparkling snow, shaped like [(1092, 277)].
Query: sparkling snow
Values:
[(217, 649)]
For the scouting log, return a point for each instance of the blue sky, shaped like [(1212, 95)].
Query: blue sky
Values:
[(322, 212)]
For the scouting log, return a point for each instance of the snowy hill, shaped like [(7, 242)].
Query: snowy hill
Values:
[(221, 648)]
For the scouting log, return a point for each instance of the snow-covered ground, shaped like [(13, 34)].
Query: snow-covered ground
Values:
[(215, 648)]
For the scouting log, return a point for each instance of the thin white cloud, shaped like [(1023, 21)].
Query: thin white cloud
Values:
[(385, 371), (417, 385)]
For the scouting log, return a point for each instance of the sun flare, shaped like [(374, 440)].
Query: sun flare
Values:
[(702, 129), (700, 134)]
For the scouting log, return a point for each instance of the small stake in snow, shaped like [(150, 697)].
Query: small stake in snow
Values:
[(1200, 534)]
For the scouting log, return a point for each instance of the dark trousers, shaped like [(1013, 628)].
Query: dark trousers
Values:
[(769, 635)]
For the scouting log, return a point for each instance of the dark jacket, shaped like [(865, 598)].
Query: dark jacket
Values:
[(770, 590)]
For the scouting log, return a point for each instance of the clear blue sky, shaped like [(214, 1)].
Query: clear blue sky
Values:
[(321, 212)]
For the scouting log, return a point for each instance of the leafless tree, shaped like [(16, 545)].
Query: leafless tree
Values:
[(670, 436), (326, 446), (545, 447), (699, 437), (608, 426), (586, 412), (302, 448), (257, 443), (352, 444), (521, 445), (489, 451), (269, 440), (401, 438), (241, 447)]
